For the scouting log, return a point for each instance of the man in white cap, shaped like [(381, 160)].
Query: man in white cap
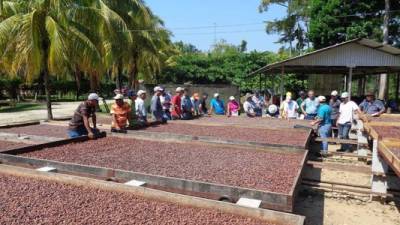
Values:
[(156, 108), (141, 112), (323, 119), (176, 104), (334, 103), (345, 119), (79, 125), (217, 105), (120, 112)]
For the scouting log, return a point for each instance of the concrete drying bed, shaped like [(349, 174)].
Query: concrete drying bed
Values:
[(39, 130), (387, 131), (6, 145), (292, 137), (35, 201), (261, 170)]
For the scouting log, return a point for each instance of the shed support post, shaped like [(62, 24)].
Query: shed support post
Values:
[(350, 81), (260, 83), (281, 80), (379, 171)]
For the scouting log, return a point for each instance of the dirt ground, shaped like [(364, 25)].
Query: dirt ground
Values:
[(330, 208)]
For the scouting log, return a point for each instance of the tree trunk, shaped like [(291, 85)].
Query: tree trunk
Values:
[(397, 87), (48, 94), (93, 82), (78, 77), (383, 80), (119, 76), (133, 75), (1, 9)]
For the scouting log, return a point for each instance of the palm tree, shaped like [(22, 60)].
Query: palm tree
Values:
[(44, 37)]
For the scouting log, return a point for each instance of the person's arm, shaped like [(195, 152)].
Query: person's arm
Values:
[(315, 122), (381, 108), (94, 120), (211, 108), (114, 117), (87, 126), (302, 107), (228, 111)]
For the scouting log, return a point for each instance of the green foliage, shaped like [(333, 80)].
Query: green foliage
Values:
[(335, 21), (10, 86)]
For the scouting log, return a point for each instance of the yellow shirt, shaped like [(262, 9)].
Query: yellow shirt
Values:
[(120, 114)]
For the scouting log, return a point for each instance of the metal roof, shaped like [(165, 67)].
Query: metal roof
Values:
[(364, 55)]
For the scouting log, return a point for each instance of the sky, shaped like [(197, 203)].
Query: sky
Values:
[(197, 21)]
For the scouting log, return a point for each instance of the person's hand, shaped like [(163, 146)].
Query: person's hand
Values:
[(375, 115), (91, 135)]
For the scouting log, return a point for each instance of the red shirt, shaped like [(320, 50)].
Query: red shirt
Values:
[(176, 106)]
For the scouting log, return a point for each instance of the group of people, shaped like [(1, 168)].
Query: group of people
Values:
[(337, 112)]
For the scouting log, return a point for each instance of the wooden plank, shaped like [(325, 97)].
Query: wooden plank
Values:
[(337, 141), (392, 160), (157, 195)]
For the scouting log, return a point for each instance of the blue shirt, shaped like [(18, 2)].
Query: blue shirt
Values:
[(218, 106), (371, 107), (311, 106), (324, 113)]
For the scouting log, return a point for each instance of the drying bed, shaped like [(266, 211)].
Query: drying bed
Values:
[(387, 131), (35, 201), (39, 130), (250, 122), (293, 137), (261, 170), (6, 145)]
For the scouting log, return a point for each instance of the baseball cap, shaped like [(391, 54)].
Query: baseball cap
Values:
[(289, 94), (248, 95), (119, 97), (334, 93), (158, 88), (140, 92), (232, 98), (216, 95), (345, 95), (321, 98), (131, 93), (93, 96), (370, 93), (272, 109), (179, 89)]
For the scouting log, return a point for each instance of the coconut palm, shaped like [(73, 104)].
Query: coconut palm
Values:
[(44, 37)]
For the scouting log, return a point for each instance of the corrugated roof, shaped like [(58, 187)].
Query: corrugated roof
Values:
[(364, 55)]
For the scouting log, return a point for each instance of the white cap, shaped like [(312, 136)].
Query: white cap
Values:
[(93, 96), (179, 89), (334, 93), (119, 97), (272, 109), (232, 98), (344, 95), (140, 92), (216, 95), (321, 98), (158, 88)]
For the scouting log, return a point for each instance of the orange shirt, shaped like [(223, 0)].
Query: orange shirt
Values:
[(120, 114)]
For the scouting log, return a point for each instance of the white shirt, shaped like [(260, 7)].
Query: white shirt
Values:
[(140, 108), (248, 107), (347, 112), (290, 108), (165, 101)]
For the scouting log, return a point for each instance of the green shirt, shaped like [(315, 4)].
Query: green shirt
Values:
[(299, 101)]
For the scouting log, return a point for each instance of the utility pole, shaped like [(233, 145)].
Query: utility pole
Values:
[(383, 79)]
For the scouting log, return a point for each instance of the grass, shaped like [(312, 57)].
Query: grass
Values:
[(20, 107)]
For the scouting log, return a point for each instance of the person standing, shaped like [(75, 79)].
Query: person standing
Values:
[(141, 113), (249, 106), (187, 106), (233, 107), (120, 112), (309, 106), (196, 104), (345, 119), (156, 108), (259, 101), (300, 100), (79, 124), (176, 104), (289, 107), (203, 104), (372, 106), (323, 119), (165, 100), (334, 103), (217, 105), (132, 118)]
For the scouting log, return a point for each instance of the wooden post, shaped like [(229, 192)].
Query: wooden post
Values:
[(281, 80), (260, 83), (350, 81), (383, 79), (397, 87)]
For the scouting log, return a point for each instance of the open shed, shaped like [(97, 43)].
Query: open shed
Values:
[(356, 57)]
